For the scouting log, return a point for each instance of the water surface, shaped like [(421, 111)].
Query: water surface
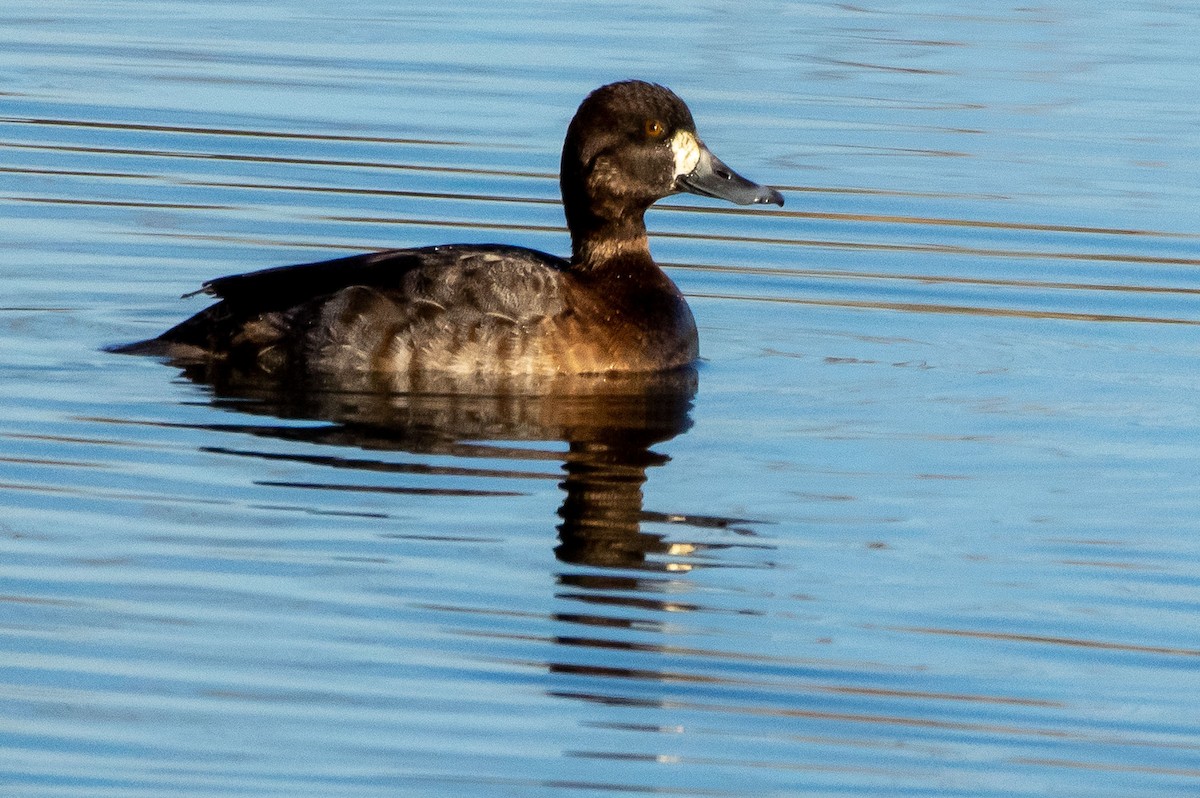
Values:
[(922, 523)]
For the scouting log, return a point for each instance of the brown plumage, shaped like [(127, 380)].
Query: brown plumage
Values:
[(468, 309)]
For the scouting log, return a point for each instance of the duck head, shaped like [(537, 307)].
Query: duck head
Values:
[(629, 145)]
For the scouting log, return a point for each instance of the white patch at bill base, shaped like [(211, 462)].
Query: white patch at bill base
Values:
[(687, 152)]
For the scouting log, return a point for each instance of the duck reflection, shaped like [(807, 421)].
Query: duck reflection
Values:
[(609, 424)]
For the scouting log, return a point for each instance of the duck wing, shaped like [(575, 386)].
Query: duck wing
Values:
[(460, 283), (283, 287)]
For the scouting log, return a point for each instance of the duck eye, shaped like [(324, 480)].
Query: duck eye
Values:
[(655, 129)]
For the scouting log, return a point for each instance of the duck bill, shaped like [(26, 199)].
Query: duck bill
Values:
[(712, 178)]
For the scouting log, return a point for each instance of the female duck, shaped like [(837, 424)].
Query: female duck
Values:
[(492, 309)]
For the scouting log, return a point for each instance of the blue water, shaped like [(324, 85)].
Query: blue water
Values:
[(925, 524)]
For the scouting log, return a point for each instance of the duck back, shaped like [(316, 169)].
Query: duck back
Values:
[(457, 309)]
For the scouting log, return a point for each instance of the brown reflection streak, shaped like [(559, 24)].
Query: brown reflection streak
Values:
[(879, 67), (610, 595), (847, 717), (921, 151), (442, 539), (182, 206), (823, 740), (601, 621), (982, 224), (938, 249), (758, 764), (931, 279), (28, 436), (1106, 767), (379, 192), (923, 695), (37, 601), (924, 221), (647, 674), (107, 494), (213, 156), (920, 307), (27, 170), (331, 434), (570, 786), (360, 464), (47, 462), (507, 786), (529, 228), (34, 309), (859, 191), (258, 241), (1058, 641), (1124, 566), (392, 489), (216, 131), (700, 653)]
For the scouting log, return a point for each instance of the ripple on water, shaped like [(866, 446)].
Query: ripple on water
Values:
[(922, 522)]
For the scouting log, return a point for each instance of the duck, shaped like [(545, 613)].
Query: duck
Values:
[(494, 309)]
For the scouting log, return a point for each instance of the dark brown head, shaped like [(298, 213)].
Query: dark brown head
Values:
[(629, 145)]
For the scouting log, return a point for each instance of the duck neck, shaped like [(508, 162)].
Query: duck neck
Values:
[(597, 241)]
